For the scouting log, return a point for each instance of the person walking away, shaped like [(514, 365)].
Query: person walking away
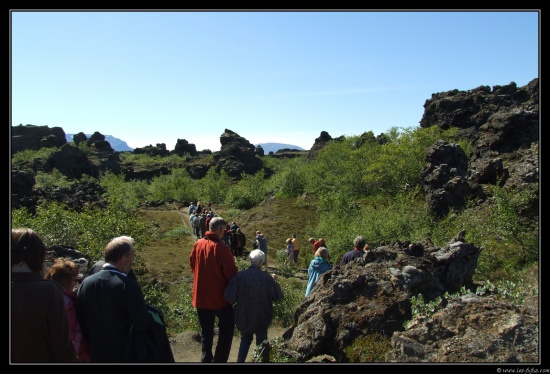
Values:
[(213, 266), (207, 221), (110, 305), (253, 291), (262, 244), (290, 249), (191, 208), (194, 220), (202, 223), (65, 272), (296, 243), (241, 241), (234, 242), (39, 325), (199, 207), (312, 242), (317, 266), (356, 252)]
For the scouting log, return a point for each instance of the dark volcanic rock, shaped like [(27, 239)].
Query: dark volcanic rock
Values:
[(237, 155)]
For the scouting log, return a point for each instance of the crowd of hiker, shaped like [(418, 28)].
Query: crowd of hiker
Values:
[(106, 319)]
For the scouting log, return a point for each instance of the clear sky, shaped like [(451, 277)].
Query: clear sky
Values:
[(155, 77)]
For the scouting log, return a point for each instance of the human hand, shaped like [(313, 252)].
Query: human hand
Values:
[(274, 276)]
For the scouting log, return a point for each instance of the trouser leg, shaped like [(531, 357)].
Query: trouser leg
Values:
[(226, 326), (206, 320), (246, 340)]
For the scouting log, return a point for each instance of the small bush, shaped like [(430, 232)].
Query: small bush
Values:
[(369, 348)]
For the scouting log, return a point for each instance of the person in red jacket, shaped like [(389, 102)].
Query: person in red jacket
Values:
[(318, 244), (213, 266)]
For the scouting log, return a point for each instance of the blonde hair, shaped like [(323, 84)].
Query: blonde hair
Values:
[(288, 241)]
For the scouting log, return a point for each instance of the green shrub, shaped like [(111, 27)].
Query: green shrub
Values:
[(276, 352), (371, 347), (55, 179), (181, 315)]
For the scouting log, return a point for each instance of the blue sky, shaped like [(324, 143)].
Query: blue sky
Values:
[(155, 77)]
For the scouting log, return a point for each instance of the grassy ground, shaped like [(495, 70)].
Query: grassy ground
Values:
[(167, 256)]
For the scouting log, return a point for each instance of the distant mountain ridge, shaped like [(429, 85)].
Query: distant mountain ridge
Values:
[(274, 147), (116, 143), (121, 146)]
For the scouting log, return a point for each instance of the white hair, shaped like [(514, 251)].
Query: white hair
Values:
[(256, 256)]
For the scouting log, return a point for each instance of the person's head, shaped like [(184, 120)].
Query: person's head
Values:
[(293, 236), (27, 246), (257, 258), (288, 241), (359, 242), (321, 240), (217, 225), (64, 272), (258, 232), (120, 252), (322, 252), (311, 240)]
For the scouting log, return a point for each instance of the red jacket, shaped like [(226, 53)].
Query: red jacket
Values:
[(318, 244), (213, 266)]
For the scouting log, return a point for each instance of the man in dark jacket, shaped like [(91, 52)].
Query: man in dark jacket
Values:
[(356, 252), (110, 304)]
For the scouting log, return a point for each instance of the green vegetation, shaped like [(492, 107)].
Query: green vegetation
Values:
[(515, 292), (371, 347), (358, 186)]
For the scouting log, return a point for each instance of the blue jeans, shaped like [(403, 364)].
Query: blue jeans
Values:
[(226, 325), (246, 340)]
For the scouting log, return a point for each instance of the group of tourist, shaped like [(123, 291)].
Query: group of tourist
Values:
[(199, 218), (106, 319)]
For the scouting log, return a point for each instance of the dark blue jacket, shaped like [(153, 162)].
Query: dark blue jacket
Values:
[(108, 304)]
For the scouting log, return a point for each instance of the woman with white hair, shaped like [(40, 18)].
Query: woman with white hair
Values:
[(254, 291)]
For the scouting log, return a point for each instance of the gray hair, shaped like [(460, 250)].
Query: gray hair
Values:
[(256, 256), (118, 247), (217, 222), (322, 252), (359, 242)]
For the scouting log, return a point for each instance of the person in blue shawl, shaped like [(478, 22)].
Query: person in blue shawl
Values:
[(317, 266)]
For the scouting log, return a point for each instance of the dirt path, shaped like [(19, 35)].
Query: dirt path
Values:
[(186, 346), (168, 261)]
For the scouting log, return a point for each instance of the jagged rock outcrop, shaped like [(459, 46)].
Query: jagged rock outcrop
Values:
[(445, 178), (158, 150), (320, 142), (237, 155), (36, 137), (260, 151), (184, 147), (470, 329), (503, 126), (372, 295)]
